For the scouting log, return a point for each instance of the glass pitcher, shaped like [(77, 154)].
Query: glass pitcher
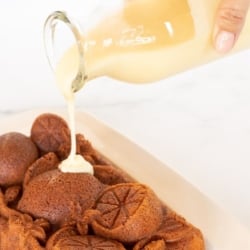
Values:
[(136, 41)]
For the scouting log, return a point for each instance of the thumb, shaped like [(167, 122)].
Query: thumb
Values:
[(229, 22)]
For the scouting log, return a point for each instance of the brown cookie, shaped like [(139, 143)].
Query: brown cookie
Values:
[(17, 153), (86, 242), (51, 134), (129, 212)]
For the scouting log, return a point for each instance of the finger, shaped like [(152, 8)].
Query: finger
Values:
[(229, 22)]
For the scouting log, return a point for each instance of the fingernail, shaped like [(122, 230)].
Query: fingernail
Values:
[(224, 41)]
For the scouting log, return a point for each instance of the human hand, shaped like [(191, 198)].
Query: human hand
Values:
[(229, 22)]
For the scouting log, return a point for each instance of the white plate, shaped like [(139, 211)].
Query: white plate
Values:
[(220, 229)]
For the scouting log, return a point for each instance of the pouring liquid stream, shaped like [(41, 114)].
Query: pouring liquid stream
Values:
[(75, 163)]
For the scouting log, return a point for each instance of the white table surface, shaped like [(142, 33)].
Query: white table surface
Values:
[(197, 122)]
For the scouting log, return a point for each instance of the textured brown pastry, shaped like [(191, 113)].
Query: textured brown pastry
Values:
[(51, 134), (156, 245), (59, 197), (111, 175), (191, 241), (62, 233), (42, 208), (88, 242), (129, 212), (174, 233), (17, 152), (12, 195), (20, 231), (84, 148), (67, 239), (44, 164)]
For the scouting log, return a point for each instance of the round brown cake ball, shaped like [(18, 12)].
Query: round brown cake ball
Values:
[(17, 152), (51, 133), (60, 197), (86, 242), (129, 212)]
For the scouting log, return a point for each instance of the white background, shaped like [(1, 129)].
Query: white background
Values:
[(197, 122), (24, 67)]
